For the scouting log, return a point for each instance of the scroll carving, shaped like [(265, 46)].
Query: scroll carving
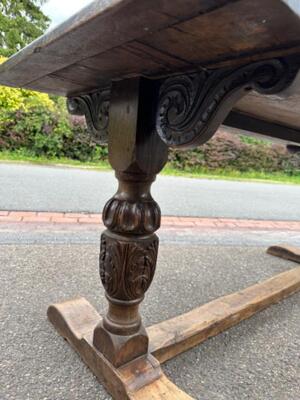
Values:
[(191, 107), (95, 108), (127, 268)]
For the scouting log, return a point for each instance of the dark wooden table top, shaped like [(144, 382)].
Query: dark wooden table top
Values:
[(114, 39)]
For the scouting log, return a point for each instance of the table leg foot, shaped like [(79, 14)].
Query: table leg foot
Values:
[(141, 379), (285, 251)]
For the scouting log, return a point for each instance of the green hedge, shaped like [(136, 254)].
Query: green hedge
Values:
[(40, 125), (53, 133), (236, 152), (47, 133)]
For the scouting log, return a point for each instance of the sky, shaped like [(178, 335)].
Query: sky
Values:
[(60, 10)]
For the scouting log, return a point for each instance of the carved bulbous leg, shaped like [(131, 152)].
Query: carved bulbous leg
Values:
[(129, 246), (127, 266)]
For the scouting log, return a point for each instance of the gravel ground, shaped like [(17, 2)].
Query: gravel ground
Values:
[(257, 360)]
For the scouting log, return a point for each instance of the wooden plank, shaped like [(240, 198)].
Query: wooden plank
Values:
[(101, 26), (148, 53), (123, 61), (161, 389), (141, 379), (276, 109), (164, 36), (172, 337), (80, 73), (256, 127), (58, 85), (267, 53), (285, 251), (237, 29)]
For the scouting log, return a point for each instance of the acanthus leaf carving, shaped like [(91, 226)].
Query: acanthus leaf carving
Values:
[(192, 106), (95, 108), (127, 268), (140, 269), (110, 262)]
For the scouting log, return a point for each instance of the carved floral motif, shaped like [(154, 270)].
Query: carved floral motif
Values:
[(127, 268), (95, 107), (191, 107)]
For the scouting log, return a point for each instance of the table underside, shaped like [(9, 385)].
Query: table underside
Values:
[(120, 39)]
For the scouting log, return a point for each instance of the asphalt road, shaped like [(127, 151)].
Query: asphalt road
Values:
[(74, 234), (255, 360), (26, 187)]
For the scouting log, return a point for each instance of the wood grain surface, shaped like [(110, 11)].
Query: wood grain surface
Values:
[(285, 251), (119, 39), (172, 337), (122, 38), (143, 379)]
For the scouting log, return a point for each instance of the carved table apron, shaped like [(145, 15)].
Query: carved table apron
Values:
[(148, 76)]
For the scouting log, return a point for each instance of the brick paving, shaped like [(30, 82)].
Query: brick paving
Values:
[(168, 222)]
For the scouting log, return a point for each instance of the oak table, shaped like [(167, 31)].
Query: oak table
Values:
[(149, 75)]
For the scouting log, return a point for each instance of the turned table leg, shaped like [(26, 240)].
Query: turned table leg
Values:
[(127, 265), (116, 347), (129, 246)]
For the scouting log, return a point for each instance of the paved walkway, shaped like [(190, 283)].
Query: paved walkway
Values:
[(53, 256), (255, 360), (167, 222)]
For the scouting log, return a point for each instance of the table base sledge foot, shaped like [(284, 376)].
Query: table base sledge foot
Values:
[(143, 379), (285, 251)]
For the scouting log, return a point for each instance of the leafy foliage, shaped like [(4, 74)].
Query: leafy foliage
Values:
[(40, 124), (52, 133), (229, 151), (21, 21), (12, 99), (44, 132)]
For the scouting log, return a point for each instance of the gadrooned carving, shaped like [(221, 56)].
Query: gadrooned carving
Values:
[(140, 217), (127, 268), (192, 107), (95, 107)]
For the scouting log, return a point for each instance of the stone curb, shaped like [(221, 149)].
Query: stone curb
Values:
[(168, 222)]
